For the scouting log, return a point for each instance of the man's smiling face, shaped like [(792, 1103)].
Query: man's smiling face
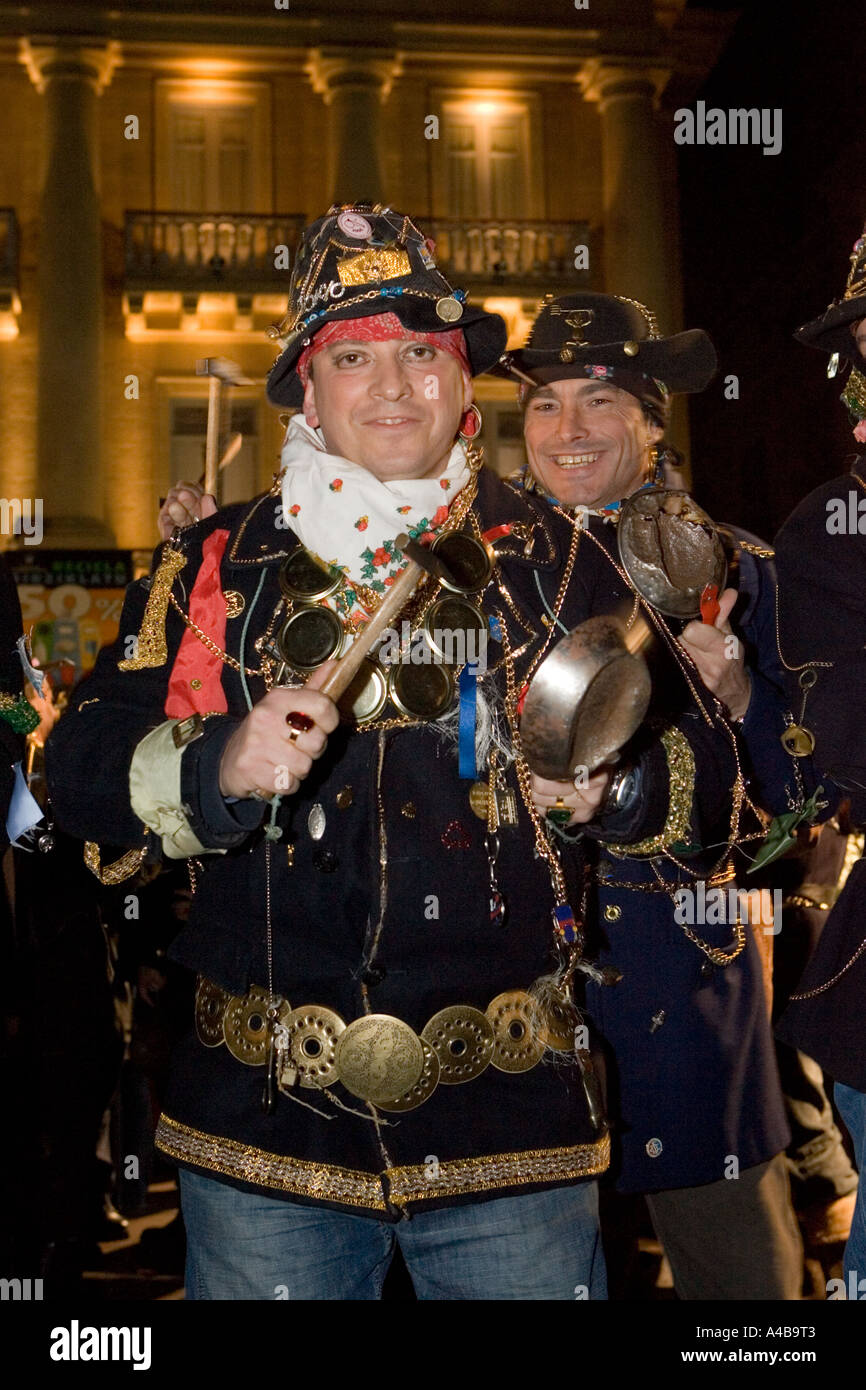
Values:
[(588, 442), (394, 407)]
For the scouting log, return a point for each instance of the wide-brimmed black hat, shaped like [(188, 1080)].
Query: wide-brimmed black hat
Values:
[(577, 332), (831, 332), (362, 259)]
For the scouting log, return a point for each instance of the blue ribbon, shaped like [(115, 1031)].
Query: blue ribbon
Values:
[(468, 687)]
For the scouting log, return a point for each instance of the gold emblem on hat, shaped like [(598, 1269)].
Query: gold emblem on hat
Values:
[(375, 264), (577, 319), (449, 309)]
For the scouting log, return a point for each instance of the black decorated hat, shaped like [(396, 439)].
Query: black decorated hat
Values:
[(576, 332), (831, 332), (362, 259)]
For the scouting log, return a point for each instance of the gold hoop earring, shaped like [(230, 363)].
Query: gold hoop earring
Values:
[(474, 417)]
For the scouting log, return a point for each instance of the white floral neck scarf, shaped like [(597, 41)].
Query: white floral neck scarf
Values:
[(349, 518)]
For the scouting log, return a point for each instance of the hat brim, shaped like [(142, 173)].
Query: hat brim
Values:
[(684, 362), (832, 331), (486, 335)]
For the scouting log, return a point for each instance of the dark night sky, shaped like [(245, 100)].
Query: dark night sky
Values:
[(766, 241)]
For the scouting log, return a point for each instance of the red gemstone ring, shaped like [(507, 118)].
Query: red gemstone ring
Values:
[(302, 722)]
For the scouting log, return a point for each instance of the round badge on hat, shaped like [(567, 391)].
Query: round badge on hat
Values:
[(383, 272), (354, 225)]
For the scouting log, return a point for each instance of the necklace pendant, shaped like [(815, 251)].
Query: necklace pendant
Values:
[(497, 908), (316, 821)]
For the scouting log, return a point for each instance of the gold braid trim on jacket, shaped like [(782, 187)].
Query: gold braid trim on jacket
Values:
[(152, 649), (677, 826)]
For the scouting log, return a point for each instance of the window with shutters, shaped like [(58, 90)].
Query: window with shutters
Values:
[(213, 147), (481, 161)]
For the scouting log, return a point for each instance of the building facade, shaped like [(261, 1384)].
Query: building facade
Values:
[(160, 159)]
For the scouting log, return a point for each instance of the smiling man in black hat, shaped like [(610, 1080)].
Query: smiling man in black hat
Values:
[(700, 1119), (386, 930), (821, 555)]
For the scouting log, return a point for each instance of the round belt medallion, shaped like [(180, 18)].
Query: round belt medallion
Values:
[(379, 1057), (515, 1046), (210, 1003), (422, 691), (313, 1035), (462, 1038), (470, 562), (555, 1021), (456, 630), (246, 1025), (364, 698), (309, 637), (303, 577), (424, 1086)]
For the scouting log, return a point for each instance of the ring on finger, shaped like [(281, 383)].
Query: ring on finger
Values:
[(559, 813), (300, 722)]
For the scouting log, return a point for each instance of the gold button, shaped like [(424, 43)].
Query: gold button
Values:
[(345, 797), (612, 913), (630, 349), (196, 683), (408, 810)]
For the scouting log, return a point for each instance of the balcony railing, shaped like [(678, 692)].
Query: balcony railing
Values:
[(8, 249), (510, 253), (197, 251)]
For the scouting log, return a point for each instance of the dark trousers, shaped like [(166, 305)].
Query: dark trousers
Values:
[(734, 1239)]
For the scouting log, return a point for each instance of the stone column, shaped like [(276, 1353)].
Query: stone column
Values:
[(641, 234), (636, 253), (70, 78), (355, 83)]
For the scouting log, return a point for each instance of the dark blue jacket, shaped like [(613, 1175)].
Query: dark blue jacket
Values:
[(692, 1078), (387, 912), (821, 553)]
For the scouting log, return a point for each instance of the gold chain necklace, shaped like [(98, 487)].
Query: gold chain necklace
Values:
[(210, 643)]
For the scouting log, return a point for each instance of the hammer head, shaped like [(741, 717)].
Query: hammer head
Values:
[(221, 367)]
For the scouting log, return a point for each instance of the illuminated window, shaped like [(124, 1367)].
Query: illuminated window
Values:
[(481, 161), (213, 147)]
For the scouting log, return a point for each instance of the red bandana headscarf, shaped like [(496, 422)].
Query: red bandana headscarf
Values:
[(378, 328)]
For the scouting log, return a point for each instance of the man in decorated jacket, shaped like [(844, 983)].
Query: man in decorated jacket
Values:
[(388, 1043), (821, 553), (699, 1120)]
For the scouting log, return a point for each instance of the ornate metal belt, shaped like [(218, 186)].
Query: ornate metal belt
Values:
[(378, 1057)]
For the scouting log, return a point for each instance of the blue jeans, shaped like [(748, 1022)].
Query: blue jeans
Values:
[(852, 1108), (244, 1245)]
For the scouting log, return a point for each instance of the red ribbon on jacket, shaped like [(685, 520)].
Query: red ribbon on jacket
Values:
[(194, 662)]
